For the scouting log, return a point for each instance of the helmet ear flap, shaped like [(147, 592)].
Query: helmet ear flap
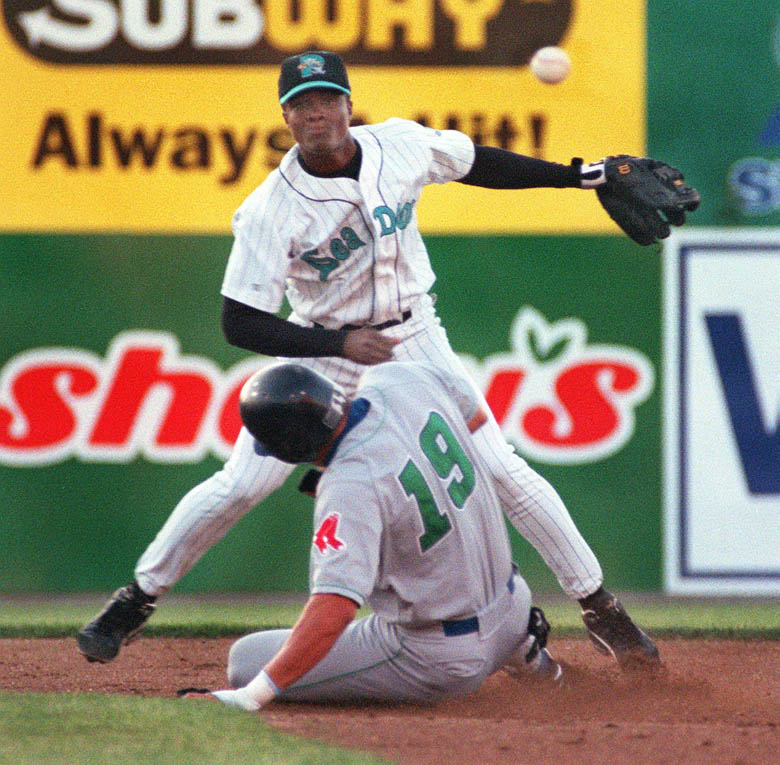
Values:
[(291, 411)]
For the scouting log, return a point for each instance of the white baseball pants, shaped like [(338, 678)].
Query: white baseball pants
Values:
[(205, 514)]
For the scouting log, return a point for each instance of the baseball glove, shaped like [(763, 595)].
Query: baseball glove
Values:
[(644, 196)]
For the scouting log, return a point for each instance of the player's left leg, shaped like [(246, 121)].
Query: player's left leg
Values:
[(374, 660), (537, 511), (532, 505)]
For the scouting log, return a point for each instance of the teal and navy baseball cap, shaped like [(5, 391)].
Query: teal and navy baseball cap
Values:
[(314, 69)]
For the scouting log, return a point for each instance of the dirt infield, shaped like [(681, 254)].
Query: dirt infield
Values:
[(715, 701)]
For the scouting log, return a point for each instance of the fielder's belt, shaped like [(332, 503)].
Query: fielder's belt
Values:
[(405, 316)]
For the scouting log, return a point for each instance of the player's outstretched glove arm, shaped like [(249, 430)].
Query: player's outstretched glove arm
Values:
[(643, 196)]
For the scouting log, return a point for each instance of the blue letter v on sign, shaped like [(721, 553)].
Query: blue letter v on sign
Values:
[(759, 449)]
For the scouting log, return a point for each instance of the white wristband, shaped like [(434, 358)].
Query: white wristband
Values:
[(262, 689), (238, 698), (251, 697), (592, 174)]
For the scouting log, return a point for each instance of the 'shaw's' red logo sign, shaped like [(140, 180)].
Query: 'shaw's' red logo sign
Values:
[(556, 397), (143, 399), (559, 399)]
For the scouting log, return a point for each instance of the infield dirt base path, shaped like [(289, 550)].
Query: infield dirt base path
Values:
[(715, 702)]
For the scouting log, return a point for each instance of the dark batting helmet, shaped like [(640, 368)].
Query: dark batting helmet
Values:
[(292, 411)]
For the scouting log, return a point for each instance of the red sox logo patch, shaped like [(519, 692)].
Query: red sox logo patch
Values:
[(326, 535)]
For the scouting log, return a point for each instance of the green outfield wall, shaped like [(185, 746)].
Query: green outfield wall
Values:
[(713, 104), (123, 161), (96, 471)]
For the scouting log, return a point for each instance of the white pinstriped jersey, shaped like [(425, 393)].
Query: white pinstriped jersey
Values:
[(407, 516), (344, 251)]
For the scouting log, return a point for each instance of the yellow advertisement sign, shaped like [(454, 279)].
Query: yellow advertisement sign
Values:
[(124, 115)]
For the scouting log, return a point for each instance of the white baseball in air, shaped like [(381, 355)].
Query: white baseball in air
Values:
[(551, 64)]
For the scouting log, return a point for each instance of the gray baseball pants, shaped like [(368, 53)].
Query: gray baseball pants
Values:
[(377, 660)]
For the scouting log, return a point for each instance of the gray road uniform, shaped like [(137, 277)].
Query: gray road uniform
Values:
[(407, 521), (348, 252)]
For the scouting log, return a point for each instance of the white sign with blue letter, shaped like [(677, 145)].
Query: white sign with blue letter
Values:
[(722, 412)]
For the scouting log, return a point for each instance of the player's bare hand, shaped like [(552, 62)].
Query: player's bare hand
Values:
[(367, 346)]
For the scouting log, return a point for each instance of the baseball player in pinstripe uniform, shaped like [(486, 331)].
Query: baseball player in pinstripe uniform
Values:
[(407, 520), (334, 229)]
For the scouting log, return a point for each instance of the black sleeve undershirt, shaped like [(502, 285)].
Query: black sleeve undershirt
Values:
[(262, 332), (500, 169)]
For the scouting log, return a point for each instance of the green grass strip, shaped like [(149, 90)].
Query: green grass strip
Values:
[(58, 615), (683, 617), (91, 728)]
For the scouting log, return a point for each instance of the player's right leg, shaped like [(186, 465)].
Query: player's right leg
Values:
[(376, 661), (206, 513), (201, 518), (364, 664)]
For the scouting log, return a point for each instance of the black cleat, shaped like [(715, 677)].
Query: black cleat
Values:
[(120, 622), (613, 633)]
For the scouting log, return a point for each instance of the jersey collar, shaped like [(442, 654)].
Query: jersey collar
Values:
[(357, 412)]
